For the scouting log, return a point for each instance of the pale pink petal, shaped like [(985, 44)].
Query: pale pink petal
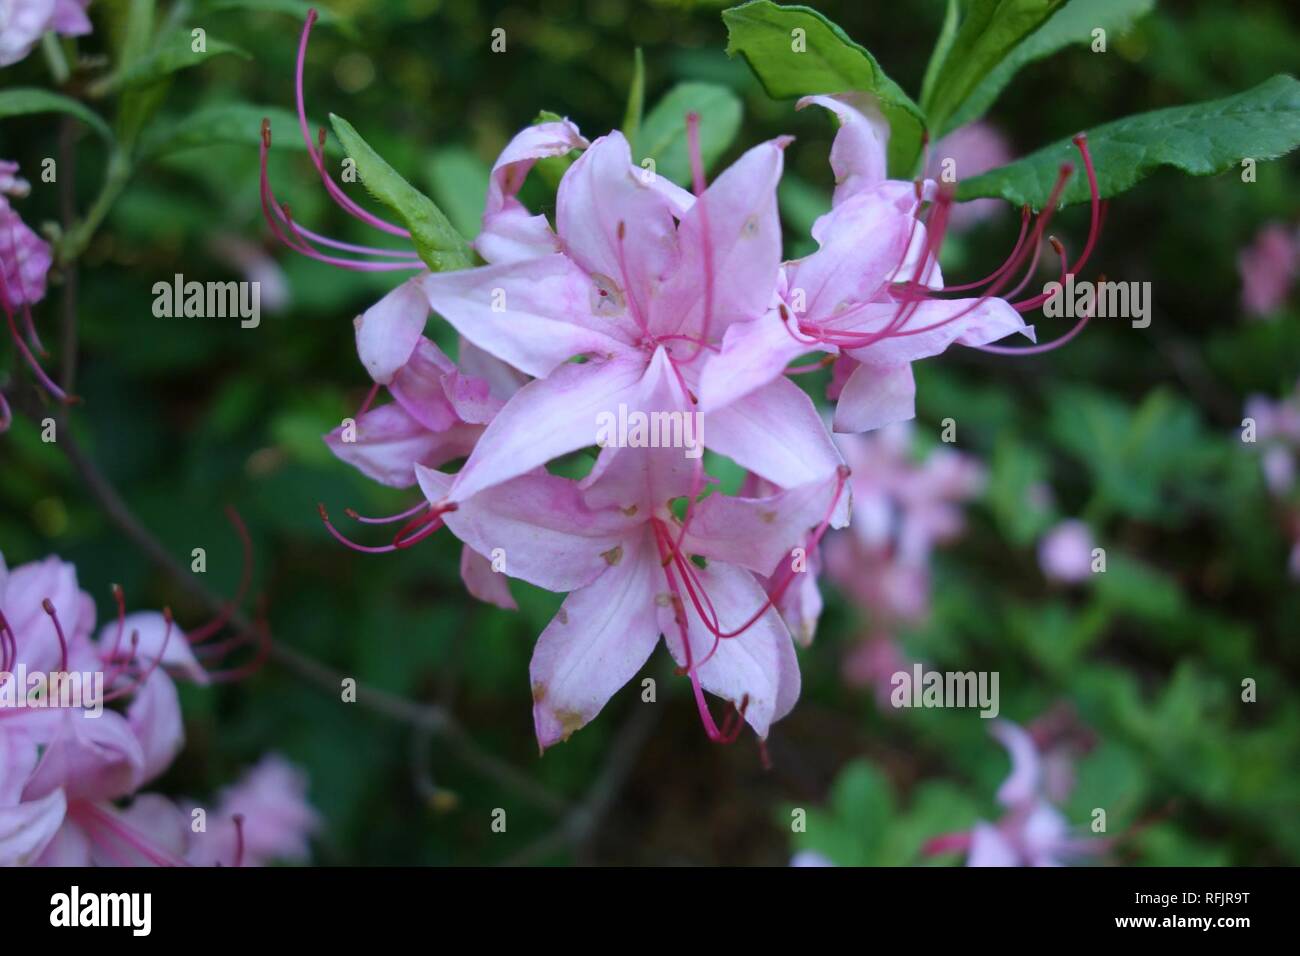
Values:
[(858, 156), (615, 226), (535, 315), (390, 443), (988, 847), (777, 433), (482, 582), (90, 758), (539, 526), (27, 829), (753, 354), (758, 666), (596, 643), (876, 396), (155, 718), (931, 327), (418, 386), (744, 244), (389, 330), (548, 418), (151, 639), (1022, 785)]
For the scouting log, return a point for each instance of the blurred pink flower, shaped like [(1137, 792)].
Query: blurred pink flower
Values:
[(1065, 552), (1032, 832), (270, 800), (1268, 268), (22, 22), (973, 149)]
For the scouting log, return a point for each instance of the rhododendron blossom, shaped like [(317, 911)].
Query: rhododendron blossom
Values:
[(66, 765), (24, 263)]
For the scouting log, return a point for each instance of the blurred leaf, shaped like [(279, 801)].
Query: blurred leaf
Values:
[(295, 8), (238, 124), (174, 53), (24, 101), (989, 31), (440, 246), (635, 100), (459, 180), (947, 33), (1072, 24), (663, 134), (1205, 138), (761, 32)]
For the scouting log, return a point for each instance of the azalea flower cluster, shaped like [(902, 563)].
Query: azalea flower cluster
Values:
[(903, 507), (68, 765), (1277, 432), (1031, 831), (647, 299)]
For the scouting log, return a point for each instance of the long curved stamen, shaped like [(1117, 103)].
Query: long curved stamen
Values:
[(153, 666), (346, 246), (355, 265), (46, 382), (48, 606), (1025, 216), (369, 400), (317, 158), (348, 542), (387, 519), (262, 632)]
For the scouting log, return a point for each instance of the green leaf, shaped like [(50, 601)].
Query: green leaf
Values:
[(947, 33), (663, 134), (830, 62), (1071, 24), (22, 102), (440, 246), (990, 30), (1205, 138), (238, 124), (175, 52), (635, 100)]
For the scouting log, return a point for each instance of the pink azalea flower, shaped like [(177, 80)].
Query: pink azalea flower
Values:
[(1277, 432), (1032, 832), (65, 765), (270, 800), (632, 571), (1065, 552), (22, 22), (1268, 268)]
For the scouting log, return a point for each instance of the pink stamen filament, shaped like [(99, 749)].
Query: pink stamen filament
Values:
[(48, 606)]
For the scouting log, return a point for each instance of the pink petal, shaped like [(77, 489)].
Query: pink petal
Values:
[(876, 396), (1022, 785), (988, 847), (858, 155), (777, 433), (597, 642), (390, 443), (615, 226), (418, 386), (546, 419), (959, 321), (389, 330), (753, 354), (544, 531), (26, 829), (155, 719), (544, 315), (744, 241), (90, 758), (759, 664), (482, 582), (150, 629)]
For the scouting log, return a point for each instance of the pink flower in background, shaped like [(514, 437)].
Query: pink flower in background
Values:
[(1032, 831), (1065, 552), (256, 265), (973, 149), (22, 22), (68, 765), (1268, 268), (1277, 435), (903, 507), (270, 800)]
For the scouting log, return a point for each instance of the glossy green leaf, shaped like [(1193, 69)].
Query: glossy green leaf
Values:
[(1205, 138), (24, 101), (820, 59), (989, 31), (440, 246)]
